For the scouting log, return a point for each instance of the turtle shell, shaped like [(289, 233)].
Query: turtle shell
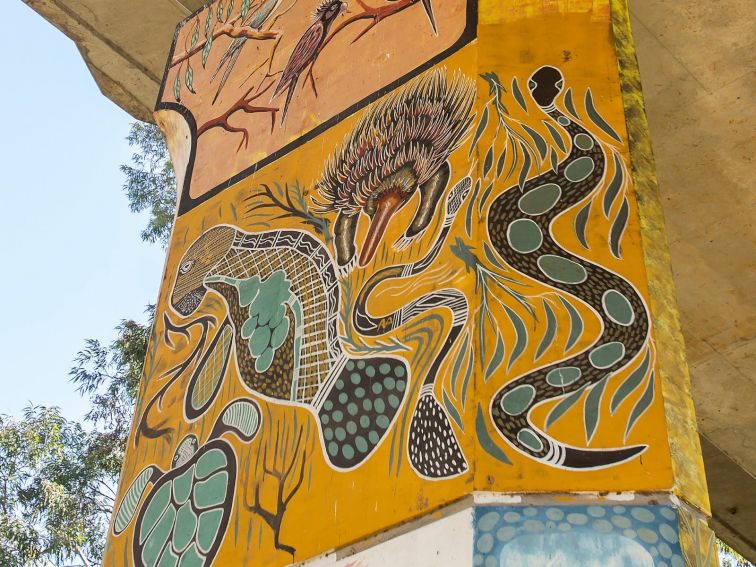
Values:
[(185, 515)]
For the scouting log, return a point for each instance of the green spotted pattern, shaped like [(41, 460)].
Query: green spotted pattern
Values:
[(360, 407), (182, 517)]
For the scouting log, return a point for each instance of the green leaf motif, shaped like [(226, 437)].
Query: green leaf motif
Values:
[(488, 161), (485, 440), (540, 143), (189, 79), (492, 257), (466, 381), (641, 405), (550, 334), (458, 362), (576, 324), (195, 36), (517, 93), (526, 162), (219, 12), (208, 23), (618, 229), (614, 186), (451, 410), (479, 130), (470, 208), (597, 119), (496, 358), (581, 224), (244, 8), (229, 9), (177, 88), (555, 136), (562, 407), (631, 383), (521, 333), (591, 408), (206, 51), (554, 161), (500, 162), (484, 197), (570, 104)]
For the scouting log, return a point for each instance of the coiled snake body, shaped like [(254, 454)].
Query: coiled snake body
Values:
[(519, 227)]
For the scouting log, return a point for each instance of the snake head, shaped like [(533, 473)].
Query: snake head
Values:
[(197, 262), (457, 196), (545, 84)]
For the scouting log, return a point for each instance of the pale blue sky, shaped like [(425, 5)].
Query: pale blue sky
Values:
[(73, 265)]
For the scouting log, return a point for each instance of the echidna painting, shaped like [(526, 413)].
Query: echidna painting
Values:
[(403, 270)]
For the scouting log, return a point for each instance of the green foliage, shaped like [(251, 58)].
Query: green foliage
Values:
[(150, 181), (58, 477)]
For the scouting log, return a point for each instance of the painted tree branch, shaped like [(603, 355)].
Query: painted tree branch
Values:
[(370, 13), (230, 30), (281, 473), (244, 104)]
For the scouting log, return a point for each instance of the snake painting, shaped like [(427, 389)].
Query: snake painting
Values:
[(519, 227)]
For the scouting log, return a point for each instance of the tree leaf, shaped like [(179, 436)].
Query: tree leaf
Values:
[(641, 405), (496, 358), (206, 50), (470, 208), (521, 333), (517, 93), (596, 118), (488, 161), (631, 383), (466, 381), (492, 257), (591, 408), (581, 224), (177, 88), (554, 161), (618, 229), (485, 440), (550, 334), (229, 9), (555, 136), (458, 362), (569, 104), (576, 324), (208, 22), (451, 410), (195, 36), (540, 143), (500, 162), (526, 161), (563, 406), (614, 186), (244, 8), (479, 130), (189, 79), (484, 197), (219, 12)]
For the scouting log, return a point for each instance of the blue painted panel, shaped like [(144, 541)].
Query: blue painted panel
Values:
[(570, 536)]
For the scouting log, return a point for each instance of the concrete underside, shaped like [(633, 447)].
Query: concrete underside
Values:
[(697, 62)]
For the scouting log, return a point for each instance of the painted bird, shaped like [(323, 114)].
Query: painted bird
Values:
[(400, 146), (254, 21), (307, 48)]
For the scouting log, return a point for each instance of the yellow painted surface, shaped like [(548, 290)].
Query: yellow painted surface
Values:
[(290, 500)]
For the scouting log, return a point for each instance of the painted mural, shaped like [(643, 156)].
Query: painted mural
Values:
[(565, 536), (406, 266)]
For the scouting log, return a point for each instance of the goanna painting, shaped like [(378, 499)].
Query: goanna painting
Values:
[(415, 273)]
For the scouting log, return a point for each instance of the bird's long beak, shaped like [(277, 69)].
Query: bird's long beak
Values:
[(387, 206)]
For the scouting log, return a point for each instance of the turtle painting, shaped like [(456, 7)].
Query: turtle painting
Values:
[(183, 518)]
